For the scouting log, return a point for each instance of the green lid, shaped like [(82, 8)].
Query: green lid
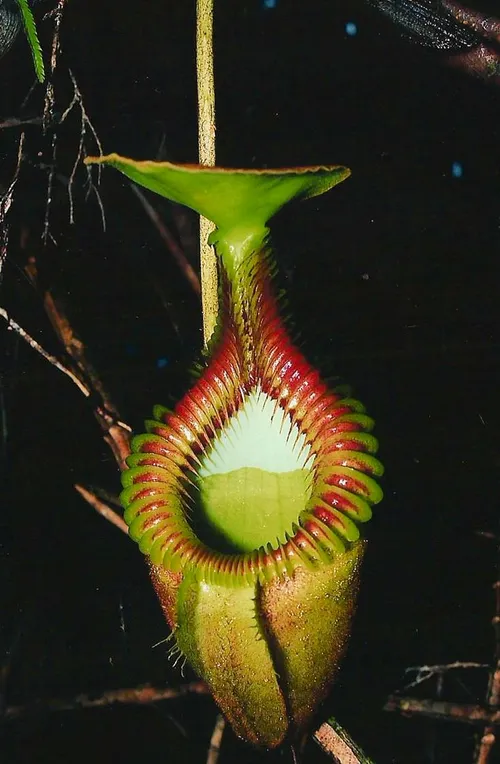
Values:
[(228, 197)]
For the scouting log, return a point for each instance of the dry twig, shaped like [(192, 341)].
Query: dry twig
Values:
[(339, 745), (116, 432), (14, 326), (427, 672), (144, 695), (437, 709), (102, 508), (487, 714), (216, 740), (5, 205), (174, 249), (488, 737), (57, 15), (18, 122)]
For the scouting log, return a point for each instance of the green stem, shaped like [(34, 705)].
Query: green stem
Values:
[(206, 149)]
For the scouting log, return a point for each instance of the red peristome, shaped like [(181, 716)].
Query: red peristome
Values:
[(148, 477), (253, 351), (337, 500), (348, 483), (331, 519), (342, 444), (146, 491), (314, 412)]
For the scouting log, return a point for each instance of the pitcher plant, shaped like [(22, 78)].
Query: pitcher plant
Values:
[(248, 497)]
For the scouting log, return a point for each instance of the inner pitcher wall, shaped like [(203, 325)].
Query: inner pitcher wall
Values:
[(254, 480)]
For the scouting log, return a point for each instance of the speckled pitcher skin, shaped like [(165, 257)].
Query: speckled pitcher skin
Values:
[(248, 496)]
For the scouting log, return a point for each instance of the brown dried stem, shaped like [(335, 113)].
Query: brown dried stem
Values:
[(216, 740), (174, 249), (487, 714), (488, 737), (423, 673), (102, 508), (142, 695), (5, 205), (57, 15), (339, 745), (10, 122), (437, 709), (15, 327), (116, 432)]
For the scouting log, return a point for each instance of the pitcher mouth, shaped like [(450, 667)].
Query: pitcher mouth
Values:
[(244, 484)]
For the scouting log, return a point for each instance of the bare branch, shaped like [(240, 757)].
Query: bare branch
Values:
[(116, 431), (50, 186), (488, 738), (339, 745), (485, 747), (85, 125), (437, 709), (427, 672), (102, 508), (17, 122), (12, 325), (169, 240), (143, 695), (216, 740), (57, 15), (489, 535), (5, 204)]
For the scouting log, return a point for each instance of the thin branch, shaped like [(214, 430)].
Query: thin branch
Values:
[(49, 108), (12, 325), (50, 187), (436, 709), (116, 431), (427, 672), (57, 15), (485, 747), (143, 695), (85, 124), (206, 150), (5, 205), (86, 127), (102, 508), (339, 745), (216, 740), (17, 122), (488, 738), (172, 246), (488, 535)]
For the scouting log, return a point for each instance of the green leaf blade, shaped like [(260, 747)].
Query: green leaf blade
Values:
[(32, 36)]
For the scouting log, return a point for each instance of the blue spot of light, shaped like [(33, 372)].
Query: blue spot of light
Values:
[(268, 4), (131, 349), (162, 363), (457, 169), (351, 29)]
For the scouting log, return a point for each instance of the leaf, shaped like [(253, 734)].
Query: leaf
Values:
[(32, 35), (228, 197)]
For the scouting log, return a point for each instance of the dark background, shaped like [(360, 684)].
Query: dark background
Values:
[(393, 283)]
